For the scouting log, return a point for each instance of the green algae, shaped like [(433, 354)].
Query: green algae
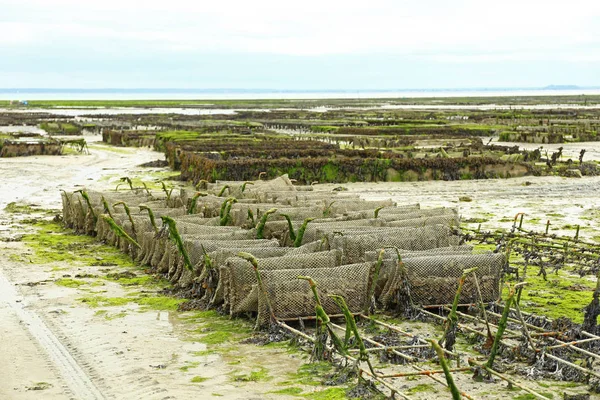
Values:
[(259, 374), (208, 352), (145, 280), (109, 317), (421, 388), (529, 396), (17, 208), (216, 329), (102, 301), (310, 374), (291, 391), (562, 295), (71, 283), (53, 243), (199, 379), (217, 337), (334, 393), (158, 303)]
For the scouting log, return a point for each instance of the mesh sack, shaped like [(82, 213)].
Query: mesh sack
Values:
[(197, 248), (313, 247), (402, 209), (158, 251), (276, 229), (354, 247), (146, 241), (408, 212), (155, 204), (304, 188), (160, 261), (292, 298), (203, 230), (67, 212), (176, 265), (214, 288), (390, 254), (434, 280), (315, 231), (344, 206), (195, 219), (448, 220), (202, 273), (299, 213), (393, 289), (281, 183), (328, 234), (242, 275)]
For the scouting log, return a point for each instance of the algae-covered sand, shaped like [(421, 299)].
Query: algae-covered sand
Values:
[(123, 330)]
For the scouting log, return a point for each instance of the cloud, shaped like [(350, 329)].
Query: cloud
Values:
[(112, 36), (309, 27)]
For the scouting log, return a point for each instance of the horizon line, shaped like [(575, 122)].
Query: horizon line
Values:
[(272, 90)]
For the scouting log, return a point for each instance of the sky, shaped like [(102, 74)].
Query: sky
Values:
[(306, 45)]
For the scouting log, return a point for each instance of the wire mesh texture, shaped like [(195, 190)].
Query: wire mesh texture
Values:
[(192, 239)]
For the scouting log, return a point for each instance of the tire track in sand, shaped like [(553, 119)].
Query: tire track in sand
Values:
[(78, 381)]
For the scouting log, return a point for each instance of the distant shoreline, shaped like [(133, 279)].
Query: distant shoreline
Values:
[(268, 94)]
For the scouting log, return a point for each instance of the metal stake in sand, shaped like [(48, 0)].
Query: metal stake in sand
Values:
[(300, 234), (371, 298), (106, 207), (176, 237), (502, 325), (151, 216), (252, 260), (168, 192), (243, 189), (449, 335), (351, 323), (440, 353), (483, 311), (119, 231), (89, 204), (225, 213), (592, 310), (124, 180), (222, 192), (324, 327), (194, 202), (376, 212), (128, 212), (260, 228)]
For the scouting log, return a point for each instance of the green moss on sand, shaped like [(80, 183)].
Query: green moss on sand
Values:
[(53, 243), (259, 374), (159, 303), (308, 374), (421, 388), (215, 329), (334, 393), (291, 391), (189, 364), (562, 295), (72, 283)]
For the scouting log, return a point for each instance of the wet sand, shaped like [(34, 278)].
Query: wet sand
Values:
[(83, 355), (68, 349)]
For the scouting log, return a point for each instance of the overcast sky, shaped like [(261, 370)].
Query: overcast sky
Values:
[(308, 44)]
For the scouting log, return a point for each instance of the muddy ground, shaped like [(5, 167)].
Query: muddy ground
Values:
[(56, 346)]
